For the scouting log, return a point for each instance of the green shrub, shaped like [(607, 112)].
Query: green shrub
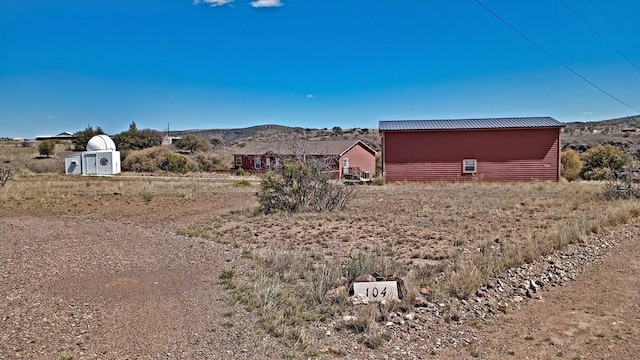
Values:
[(146, 160), (358, 265), (174, 163), (571, 165), (603, 161)]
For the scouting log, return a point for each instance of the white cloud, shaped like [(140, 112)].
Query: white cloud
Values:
[(587, 113), (213, 2), (266, 3), (310, 96)]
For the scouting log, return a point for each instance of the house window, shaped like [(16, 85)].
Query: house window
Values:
[(469, 166), (257, 162), (238, 160)]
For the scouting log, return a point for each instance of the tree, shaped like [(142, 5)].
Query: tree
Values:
[(603, 161), (134, 139), (193, 143), (81, 138), (47, 148), (571, 165)]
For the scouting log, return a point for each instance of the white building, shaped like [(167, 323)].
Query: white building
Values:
[(101, 158)]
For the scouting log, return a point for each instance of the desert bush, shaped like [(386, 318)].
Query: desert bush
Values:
[(208, 163), (175, 163), (602, 162), (158, 158), (621, 188), (146, 160), (571, 165), (302, 187), (46, 148), (6, 174)]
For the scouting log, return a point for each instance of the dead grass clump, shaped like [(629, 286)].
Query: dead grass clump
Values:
[(242, 183)]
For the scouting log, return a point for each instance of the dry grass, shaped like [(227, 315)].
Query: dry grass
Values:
[(448, 237)]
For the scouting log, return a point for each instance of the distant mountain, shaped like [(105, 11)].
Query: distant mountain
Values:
[(611, 124), (230, 137)]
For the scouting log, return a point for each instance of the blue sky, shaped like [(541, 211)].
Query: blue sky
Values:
[(65, 64)]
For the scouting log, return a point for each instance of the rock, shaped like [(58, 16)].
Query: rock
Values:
[(336, 293), (424, 291), (365, 278), (359, 299), (410, 316), (349, 318), (420, 301), (521, 292), (517, 299)]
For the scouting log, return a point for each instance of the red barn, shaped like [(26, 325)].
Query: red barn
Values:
[(502, 149), (343, 159)]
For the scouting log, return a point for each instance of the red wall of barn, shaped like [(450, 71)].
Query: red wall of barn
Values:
[(502, 154), (359, 157)]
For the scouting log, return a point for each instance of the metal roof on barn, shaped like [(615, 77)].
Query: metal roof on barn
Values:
[(471, 124)]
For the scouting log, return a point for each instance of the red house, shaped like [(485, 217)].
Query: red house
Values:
[(344, 159), (502, 149)]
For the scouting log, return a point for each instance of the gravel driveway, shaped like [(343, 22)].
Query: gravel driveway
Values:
[(84, 289)]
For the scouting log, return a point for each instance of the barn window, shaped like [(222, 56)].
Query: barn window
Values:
[(469, 166), (257, 162), (238, 160)]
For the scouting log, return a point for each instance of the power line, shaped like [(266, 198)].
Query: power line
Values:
[(553, 57), (614, 26), (599, 35)]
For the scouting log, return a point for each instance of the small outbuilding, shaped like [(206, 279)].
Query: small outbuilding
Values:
[(495, 149), (343, 159), (101, 158)]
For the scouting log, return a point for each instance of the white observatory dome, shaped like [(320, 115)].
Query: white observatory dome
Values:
[(101, 143)]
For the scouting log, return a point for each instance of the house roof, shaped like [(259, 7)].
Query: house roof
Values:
[(471, 124), (307, 147)]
